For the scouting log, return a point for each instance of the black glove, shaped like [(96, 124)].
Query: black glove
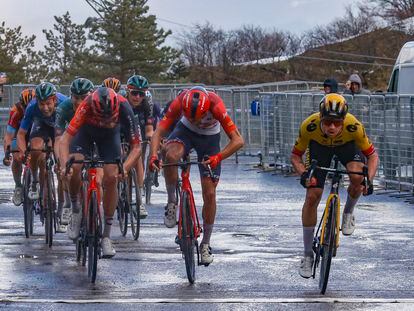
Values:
[(303, 178), (370, 188)]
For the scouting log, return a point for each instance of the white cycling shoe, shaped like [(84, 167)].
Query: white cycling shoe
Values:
[(108, 251), (206, 255), (306, 265), (348, 223), (170, 217)]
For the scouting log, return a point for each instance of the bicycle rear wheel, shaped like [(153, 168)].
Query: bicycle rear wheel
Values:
[(93, 238), (327, 248), (187, 238), (122, 208), (27, 204), (135, 201)]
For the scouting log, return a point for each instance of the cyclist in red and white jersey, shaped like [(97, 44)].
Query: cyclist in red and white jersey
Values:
[(201, 113)]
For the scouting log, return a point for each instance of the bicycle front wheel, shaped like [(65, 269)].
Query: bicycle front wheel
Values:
[(187, 238), (50, 208), (122, 208), (135, 201), (327, 248), (27, 204), (93, 238)]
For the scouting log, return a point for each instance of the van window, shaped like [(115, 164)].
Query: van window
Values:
[(406, 80), (393, 86)]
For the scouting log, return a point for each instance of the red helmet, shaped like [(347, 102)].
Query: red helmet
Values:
[(105, 103), (196, 103), (26, 96)]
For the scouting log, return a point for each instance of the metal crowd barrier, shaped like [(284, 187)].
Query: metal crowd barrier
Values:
[(389, 123)]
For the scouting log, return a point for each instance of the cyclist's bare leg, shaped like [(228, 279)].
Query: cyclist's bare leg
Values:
[(37, 159), (75, 183), (17, 172), (174, 152), (209, 208), (309, 217), (355, 187), (140, 173), (110, 196)]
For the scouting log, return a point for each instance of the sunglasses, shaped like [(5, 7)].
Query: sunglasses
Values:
[(336, 123), (137, 93)]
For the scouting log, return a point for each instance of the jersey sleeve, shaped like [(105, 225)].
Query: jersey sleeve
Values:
[(126, 116), (15, 117), (79, 118), (219, 112), (172, 114), (60, 121), (28, 116), (361, 139), (302, 141)]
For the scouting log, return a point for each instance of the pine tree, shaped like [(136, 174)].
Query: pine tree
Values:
[(16, 54), (66, 49), (128, 40)]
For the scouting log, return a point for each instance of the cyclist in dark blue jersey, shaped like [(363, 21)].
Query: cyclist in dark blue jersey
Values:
[(39, 118)]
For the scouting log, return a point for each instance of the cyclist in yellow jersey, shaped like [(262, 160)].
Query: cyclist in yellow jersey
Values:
[(331, 131)]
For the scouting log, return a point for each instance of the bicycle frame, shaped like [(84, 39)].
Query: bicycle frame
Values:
[(186, 187)]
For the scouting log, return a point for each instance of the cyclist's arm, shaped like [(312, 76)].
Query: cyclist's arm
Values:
[(301, 144), (368, 149), (372, 163), (12, 127), (159, 134), (25, 125), (77, 121), (236, 142), (220, 113), (126, 116)]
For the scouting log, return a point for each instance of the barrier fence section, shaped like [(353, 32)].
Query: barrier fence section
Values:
[(388, 120)]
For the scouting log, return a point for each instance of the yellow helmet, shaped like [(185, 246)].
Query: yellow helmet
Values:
[(333, 106)]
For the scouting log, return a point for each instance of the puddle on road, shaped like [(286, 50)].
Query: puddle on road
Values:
[(25, 256)]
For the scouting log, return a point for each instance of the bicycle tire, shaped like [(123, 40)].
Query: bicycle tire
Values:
[(122, 209), (93, 238), (27, 204), (135, 201), (149, 181), (187, 238), (328, 246), (50, 208)]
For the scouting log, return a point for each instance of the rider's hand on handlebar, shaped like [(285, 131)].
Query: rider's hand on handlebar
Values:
[(368, 189), (6, 161), (305, 182), (154, 163), (213, 160)]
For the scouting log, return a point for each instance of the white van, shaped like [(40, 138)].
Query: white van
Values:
[(402, 77)]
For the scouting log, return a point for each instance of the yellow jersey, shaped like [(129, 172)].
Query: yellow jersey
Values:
[(353, 130)]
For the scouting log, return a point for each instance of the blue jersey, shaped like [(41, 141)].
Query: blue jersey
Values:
[(33, 113)]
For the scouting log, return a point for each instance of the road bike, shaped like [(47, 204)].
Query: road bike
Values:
[(326, 239)]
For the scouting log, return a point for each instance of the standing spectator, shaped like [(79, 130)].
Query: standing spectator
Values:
[(356, 86), (330, 86)]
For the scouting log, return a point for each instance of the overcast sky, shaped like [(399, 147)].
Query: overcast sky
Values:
[(293, 15)]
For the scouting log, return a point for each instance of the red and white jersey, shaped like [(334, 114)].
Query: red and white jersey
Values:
[(209, 124)]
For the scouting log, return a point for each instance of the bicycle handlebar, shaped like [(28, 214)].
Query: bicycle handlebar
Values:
[(92, 162), (183, 164), (314, 166)]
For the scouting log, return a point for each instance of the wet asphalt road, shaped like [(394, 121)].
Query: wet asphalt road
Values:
[(257, 243)]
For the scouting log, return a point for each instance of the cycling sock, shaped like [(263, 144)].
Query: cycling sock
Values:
[(308, 240), (59, 208), (350, 204), (18, 178), (207, 230), (171, 193), (75, 204), (107, 227), (66, 199)]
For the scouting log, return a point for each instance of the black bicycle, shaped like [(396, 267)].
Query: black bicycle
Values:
[(326, 242), (129, 200)]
